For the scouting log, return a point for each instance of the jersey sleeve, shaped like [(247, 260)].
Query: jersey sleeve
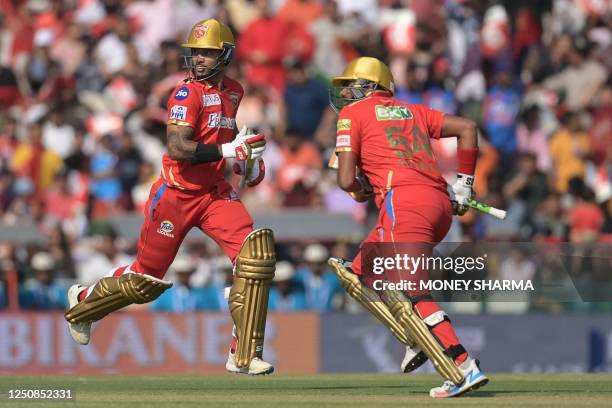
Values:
[(433, 120), (347, 133), (184, 106)]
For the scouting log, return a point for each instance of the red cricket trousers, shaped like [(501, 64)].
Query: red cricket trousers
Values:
[(170, 214), (414, 214)]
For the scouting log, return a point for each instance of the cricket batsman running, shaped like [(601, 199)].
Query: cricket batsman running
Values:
[(191, 192), (383, 151)]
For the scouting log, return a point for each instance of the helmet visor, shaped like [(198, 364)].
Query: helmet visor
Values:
[(349, 92)]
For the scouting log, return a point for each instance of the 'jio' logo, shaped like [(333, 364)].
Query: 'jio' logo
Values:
[(181, 93)]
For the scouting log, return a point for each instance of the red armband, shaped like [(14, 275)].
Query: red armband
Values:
[(467, 160)]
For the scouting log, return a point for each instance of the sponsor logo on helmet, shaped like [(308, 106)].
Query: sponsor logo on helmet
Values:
[(182, 93), (215, 120), (212, 100), (392, 112), (200, 30), (178, 112), (166, 228), (343, 124)]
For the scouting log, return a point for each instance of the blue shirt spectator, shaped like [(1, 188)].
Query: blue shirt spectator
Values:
[(182, 297), (320, 284), (42, 292), (284, 295), (106, 185), (501, 108), (306, 99)]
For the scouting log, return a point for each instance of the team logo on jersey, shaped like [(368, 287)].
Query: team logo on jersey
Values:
[(178, 112), (343, 124), (212, 100), (166, 228), (215, 120), (200, 31), (235, 98), (343, 141), (392, 112), (182, 93)]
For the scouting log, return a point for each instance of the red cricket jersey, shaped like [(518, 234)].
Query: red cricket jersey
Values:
[(211, 112), (392, 142)]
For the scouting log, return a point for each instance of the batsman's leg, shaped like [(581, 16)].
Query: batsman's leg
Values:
[(166, 223), (230, 225), (248, 301)]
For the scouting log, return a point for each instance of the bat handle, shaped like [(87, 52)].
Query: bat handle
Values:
[(497, 213)]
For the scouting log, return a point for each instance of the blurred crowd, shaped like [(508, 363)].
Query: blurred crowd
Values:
[(84, 84)]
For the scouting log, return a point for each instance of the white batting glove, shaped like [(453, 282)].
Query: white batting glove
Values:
[(462, 192), (245, 146)]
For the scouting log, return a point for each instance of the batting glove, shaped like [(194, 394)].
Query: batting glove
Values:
[(461, 193), (252, 176), (245, 146)]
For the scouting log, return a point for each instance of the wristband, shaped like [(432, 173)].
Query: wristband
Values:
[(205, 153), (467, 160)]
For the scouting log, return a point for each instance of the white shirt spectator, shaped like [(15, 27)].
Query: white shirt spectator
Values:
[(59, 138), (112, 53)]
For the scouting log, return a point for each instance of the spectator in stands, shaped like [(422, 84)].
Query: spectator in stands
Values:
[(581, 79), (33, 164), (263, 47), (321, 287), (501, 109), (43, 291), (300, 12), (100, 254), (527, 187), (306, 101), (531, 138), (284, 296), (183, 297), (585, 218), (106, 185), (332, 34), (569, 148), (299, 170)]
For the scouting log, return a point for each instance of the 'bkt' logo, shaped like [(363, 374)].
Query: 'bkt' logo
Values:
[(166, 228), (182, 93)]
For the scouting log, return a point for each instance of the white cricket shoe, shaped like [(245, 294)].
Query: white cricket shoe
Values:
[(413, 359), (257, 366), (473, 379), (80, 332)]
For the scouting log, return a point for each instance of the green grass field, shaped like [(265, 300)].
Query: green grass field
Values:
[(325, 390)]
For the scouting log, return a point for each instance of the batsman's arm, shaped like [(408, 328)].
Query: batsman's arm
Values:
[(182, 148), (348, 178)]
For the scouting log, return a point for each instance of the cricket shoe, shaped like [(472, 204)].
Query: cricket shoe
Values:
[(80, 332), (257, 366), (473, 379), (413, 359)]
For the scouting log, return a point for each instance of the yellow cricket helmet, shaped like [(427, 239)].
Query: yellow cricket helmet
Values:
[(361, 76), (210, 34), (368, 68)]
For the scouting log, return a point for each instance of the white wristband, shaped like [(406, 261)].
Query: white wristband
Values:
[(465, 179), (228, 151)]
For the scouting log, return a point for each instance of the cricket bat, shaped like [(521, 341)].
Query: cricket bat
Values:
[(487, 209)]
